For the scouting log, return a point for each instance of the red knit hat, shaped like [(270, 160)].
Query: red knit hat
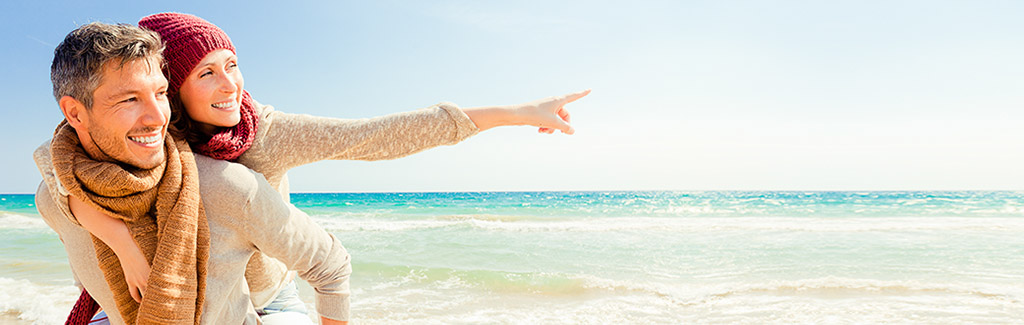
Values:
[(187, 39)]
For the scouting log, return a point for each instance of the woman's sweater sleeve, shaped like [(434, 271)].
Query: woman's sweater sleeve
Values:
[(285, 141)]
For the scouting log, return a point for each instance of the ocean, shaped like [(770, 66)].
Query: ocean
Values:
[(630, 257)]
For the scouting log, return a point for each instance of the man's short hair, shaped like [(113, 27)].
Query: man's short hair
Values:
[(78, 60)]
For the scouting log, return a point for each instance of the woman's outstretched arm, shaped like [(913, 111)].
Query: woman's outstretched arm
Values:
[(287, 140)]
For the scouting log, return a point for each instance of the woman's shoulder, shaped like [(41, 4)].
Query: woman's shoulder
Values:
[(261, 156), (265, 115), (262, 110)]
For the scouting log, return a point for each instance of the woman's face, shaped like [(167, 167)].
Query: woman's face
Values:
[(212, 92)]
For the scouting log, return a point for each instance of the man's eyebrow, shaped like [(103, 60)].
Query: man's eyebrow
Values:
[(121, 93)]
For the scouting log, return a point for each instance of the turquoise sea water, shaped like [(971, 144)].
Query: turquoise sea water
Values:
[(634, 257)]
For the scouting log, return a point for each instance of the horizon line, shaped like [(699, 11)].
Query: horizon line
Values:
[(621, 190)]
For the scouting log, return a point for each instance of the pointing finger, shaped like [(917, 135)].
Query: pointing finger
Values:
[(574, 96)]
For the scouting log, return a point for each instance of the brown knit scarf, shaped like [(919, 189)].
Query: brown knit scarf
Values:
[(162, 209)]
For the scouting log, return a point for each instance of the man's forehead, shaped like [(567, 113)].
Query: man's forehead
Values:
[(118, 69), (130, 76)]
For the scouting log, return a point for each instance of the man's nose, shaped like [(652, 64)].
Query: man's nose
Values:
[(155, 111)]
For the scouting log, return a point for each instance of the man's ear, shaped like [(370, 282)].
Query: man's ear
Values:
[(74, 111)]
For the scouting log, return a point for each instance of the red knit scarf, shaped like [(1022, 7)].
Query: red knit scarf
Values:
[(230, 143), (85, 308)]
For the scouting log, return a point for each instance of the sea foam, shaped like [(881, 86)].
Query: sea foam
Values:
[(38, 303), (10, 220), (690, 224)]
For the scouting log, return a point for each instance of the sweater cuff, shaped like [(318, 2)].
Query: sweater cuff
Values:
[(333, 306), (464, 127)]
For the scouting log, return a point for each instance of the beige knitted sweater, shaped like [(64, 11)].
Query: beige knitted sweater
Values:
[(246, 215), (284, 141)]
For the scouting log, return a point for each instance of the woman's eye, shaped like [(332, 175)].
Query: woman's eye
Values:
[(204, 74)]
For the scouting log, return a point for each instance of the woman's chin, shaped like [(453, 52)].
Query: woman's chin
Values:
[(233, 120), (226, 122)]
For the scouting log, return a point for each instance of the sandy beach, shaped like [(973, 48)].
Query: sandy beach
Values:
[(11, 318)]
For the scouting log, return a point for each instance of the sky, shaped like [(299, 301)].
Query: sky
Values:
[(687, 95)]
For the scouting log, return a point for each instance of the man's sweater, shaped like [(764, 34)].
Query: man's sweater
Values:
[(246, 215)]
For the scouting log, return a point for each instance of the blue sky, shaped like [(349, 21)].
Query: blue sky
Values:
[(687, 95)]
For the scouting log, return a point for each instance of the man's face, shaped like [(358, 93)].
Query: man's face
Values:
[(129, 116)]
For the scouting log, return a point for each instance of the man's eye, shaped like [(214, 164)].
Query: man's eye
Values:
[(129, 100)]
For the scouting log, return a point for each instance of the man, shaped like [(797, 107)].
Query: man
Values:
[(197, 221)]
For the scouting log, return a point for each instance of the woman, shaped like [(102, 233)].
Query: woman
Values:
[(211, 110)]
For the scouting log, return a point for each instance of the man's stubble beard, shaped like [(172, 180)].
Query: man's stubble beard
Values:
[(101, 142)]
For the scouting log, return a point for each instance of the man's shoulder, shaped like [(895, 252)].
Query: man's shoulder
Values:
[(225, 181), (53, 207), (42, 157), (51, 197), (44, 200)]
